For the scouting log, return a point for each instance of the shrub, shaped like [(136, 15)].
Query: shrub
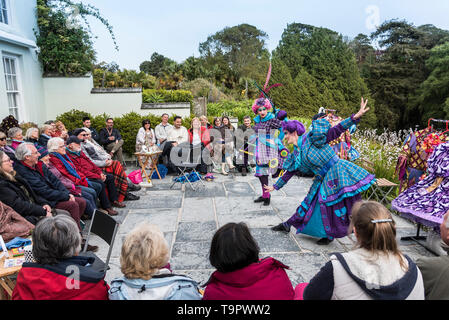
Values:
[(128, 124), (202, 88), (150, 95)]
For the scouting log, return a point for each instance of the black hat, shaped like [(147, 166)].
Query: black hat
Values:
[(73, 139), (76, 132)]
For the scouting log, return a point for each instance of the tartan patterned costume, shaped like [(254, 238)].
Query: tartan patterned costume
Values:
[(265, 129), (337, 185)]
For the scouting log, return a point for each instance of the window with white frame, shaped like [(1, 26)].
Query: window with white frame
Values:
[(12, 85), (4, 12)]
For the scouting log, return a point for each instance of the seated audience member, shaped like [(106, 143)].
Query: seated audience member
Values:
[(60, 160), (18, 194), (51, 123), (66, 182), (60, 131), (46, 134), (32, 136), (112, 141), (240, 274), (16, 136), (199, 138), (375, 270), (45, 184), (205, 122), (88, 124), (176, 136), (92, 172), (56, 247), (5, 148), (144, 264), (435, 270), (245, 130), (145, 136), (162, 130), (108, 166), (102, 159)]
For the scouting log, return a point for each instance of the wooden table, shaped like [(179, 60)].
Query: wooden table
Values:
[(6, 283), (144, 159)]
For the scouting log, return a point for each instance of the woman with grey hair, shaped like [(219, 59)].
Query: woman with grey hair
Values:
[(16, 136), (59, 273), (32, 136), (5, 148)]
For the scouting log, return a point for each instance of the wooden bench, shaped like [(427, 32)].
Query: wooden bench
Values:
[(382, 187)]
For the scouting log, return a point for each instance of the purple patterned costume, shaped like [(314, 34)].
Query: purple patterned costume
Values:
[(423, 203)]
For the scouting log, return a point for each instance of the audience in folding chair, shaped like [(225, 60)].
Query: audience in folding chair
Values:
[(199, 139), (16, 136), (56, 245), (5, 148)]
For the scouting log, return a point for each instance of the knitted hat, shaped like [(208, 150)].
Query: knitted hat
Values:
[(73, 139), (262, 102), (43, 152)]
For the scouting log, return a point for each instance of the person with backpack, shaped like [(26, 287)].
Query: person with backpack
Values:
[(146, 271)]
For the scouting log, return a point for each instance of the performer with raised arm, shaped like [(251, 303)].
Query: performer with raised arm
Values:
[(337, 185)]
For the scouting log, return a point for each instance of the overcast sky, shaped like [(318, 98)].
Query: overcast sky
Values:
[(175, 28)]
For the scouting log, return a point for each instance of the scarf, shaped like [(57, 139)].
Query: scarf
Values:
[(68, 164), (269, 116), (78, 154)]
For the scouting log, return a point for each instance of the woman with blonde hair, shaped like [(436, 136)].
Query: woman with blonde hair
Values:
[(146, 271), (375, 269)]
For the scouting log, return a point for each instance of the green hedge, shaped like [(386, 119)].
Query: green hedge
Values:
[(128, 124), (160, 96)]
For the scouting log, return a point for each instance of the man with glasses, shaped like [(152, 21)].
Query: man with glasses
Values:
[(112, 141)]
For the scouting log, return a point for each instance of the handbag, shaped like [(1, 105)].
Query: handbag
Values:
[(135, 176), (12, 224)]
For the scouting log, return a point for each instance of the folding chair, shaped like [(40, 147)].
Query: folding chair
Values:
[(104, 226), (382, 187), (184, 164)]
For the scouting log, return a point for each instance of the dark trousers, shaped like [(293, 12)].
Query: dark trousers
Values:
[(75, 208), (90, 196), (100, 188)]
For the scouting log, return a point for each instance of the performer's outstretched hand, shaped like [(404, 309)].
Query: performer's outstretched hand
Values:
[(363, 109), (268, 189)]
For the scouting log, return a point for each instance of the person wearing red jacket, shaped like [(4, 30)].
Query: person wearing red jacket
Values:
[(240, 274), (199, 137), (94, 174), (59, 273)]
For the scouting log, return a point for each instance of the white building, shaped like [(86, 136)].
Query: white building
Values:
[(30, 97), (21, 85)]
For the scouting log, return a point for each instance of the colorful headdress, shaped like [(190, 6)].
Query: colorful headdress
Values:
[(261, 102), (264, 99)]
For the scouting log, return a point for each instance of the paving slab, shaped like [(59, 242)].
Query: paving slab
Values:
[(190, 255), (158, 199), (165, 219), (239, 189), (198, 209), (309, 244), (196, 231), (273, 242), (209, 191)]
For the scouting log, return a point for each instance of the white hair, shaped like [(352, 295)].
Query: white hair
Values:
[(30, 132), (13, 132), (53, 144), (23, 151)]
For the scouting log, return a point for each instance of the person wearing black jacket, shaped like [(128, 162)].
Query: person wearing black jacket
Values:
[(17, 193), (94, 134), (112, 142), (45, 184), (244, 131)]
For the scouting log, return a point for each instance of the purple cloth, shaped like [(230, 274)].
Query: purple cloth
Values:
[(264, 182), (417, 203)]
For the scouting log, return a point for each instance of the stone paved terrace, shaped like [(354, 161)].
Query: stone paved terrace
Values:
[(189, 220)]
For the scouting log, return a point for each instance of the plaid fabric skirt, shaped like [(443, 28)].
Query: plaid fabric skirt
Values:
[(120, 179)]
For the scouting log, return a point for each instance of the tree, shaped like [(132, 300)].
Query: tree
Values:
[(323, 70), (158, 65), (433, 95), (66, 48), (364, 53), (396, 75), (233, 53)]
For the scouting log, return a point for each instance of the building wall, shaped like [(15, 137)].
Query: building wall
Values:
[(17, 40)]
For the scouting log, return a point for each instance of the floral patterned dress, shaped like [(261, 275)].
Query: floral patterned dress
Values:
[(427, 201)]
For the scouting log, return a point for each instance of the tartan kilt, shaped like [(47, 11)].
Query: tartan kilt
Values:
[(120, 179)]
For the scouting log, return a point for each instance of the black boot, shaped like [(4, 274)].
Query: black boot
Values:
[(281, 228), (324, 242), (266, 201), (244, 171), (133, 187), (131, 197)]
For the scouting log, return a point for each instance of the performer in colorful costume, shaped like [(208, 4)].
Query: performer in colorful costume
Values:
[(337, 185), (269, 151)]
